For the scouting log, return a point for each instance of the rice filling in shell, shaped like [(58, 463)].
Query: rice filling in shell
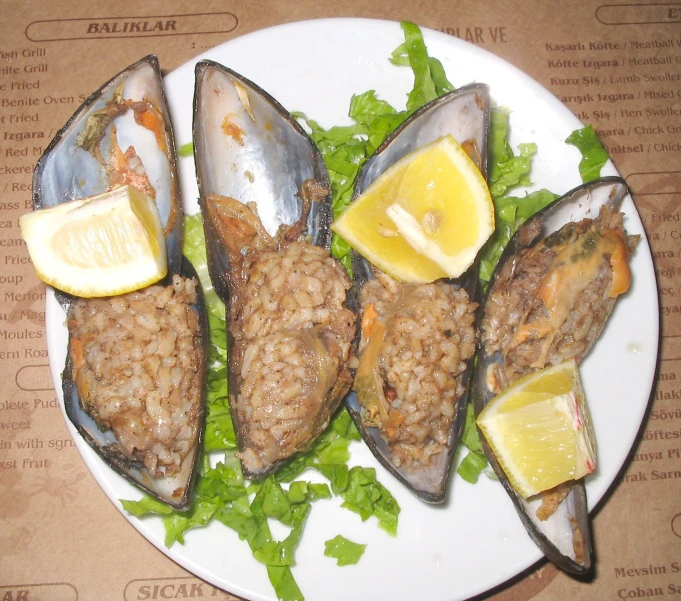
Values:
[(550, 303), (415, 344), (135, 361), (291, 344), (290, 332)]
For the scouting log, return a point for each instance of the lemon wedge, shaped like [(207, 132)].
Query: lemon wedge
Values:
[(540, 430), (107, 244), (424, 218)]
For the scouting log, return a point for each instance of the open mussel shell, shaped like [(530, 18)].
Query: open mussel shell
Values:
[(464, 114), (122, 134), (175, 490), (249, 147), (565, 536), (122, 128)]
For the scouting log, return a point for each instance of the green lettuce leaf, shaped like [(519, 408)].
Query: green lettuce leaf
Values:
[(284, 584), (506, 170), (594, 156), (300, 491), (194, 248), (472, 465), (223, 483), (470, 438), (417, 58), (367, 497), (177, 523), (250, 523), (345, 551), (430, 80), (186, 150), (146, 506)]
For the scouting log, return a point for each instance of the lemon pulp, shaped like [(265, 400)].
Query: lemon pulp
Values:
[(107, 244), (540, 430), (424, 218)]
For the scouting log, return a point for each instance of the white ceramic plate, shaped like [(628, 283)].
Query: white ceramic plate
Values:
[(476, 540)]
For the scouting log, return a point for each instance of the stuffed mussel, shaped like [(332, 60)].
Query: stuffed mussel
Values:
[(264, 195), (417, 341), (135, 372), (551, 294)]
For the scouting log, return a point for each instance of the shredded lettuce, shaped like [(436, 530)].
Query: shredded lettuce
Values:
[(366, 496), (429, 75), (472, 466), (346, 148), (186, 150), (146, 506), (475, 461), (222, 494), (285, 586), (343, 550), (505, 169), (250, 522), (594, 156)]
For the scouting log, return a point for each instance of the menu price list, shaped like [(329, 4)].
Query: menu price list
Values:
[(652, 580), (22, 141), (661, 215), (23, 446), (27, 389), (606, 82), (28, 406)]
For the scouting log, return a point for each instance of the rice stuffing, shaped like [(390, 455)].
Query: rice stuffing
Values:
[(416, 365), (292, 336), (550, 303), (136, 360)]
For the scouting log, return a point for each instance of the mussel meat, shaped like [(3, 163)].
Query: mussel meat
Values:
[(134, 377), (555, 285), (417, 341), (264, 196)]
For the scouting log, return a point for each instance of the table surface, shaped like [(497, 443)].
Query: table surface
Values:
[(590, 55)]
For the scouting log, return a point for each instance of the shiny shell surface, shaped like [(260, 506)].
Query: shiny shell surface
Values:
[(265, 200), (122, 133)]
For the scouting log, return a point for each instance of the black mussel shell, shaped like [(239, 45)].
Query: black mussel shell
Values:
[(570, 523), (175, 490), (465, 115)]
